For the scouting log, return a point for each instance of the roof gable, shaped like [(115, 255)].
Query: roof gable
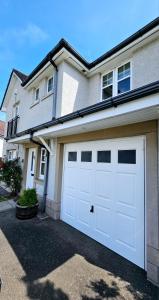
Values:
[(19, 75)]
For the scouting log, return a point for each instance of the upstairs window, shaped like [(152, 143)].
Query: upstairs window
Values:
[(116, 82), (16, 111), (50, 85), (37, 94), (107, 86), (124, 78)]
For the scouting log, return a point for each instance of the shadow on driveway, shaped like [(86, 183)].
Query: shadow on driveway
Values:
[(50, 260)]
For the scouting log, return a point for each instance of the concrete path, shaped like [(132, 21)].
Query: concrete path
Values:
[(7, 205), (50, 260)]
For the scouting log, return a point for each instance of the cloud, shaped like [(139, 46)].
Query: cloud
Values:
[(31, 34)]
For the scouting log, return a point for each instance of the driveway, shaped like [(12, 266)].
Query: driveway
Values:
[(49, 260)]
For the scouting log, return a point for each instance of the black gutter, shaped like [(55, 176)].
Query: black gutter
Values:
[(64, 44), (126, 42), (35, 142), (53, 63), (61, 44), (135, 94)]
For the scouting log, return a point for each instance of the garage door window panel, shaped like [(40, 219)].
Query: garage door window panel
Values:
[(72, 156), (104, 156), (86, 156), (127, 156)]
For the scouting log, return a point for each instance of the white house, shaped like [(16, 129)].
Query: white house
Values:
[(2, 126), (87, 136)]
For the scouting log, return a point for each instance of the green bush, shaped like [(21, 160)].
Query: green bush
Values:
[(28, 198), (11, 174)]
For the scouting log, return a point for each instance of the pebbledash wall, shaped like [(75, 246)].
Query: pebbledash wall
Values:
[(76, 91)]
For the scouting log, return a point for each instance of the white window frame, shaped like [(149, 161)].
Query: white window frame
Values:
[(16, 107), (103, 87), (36, 99), (52, 76), (129, 76), (12, 154), (115, 79), (41, 176)]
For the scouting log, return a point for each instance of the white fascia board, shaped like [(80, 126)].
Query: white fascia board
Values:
[(130, 107), (20, 139)]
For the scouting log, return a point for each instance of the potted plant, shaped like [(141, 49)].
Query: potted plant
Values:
[(27, 204)]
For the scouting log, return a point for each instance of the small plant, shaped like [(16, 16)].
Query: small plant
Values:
[(28, 198), (11, 174)]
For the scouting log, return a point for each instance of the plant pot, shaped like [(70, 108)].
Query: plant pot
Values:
[(25, 212)]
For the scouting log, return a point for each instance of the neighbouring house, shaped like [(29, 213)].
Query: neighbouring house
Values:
[(2, 126), (87, 136)]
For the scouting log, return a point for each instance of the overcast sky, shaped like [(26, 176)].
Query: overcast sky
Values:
[(29, 29)]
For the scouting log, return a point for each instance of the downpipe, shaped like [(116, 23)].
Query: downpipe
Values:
[(55, 89), (43, 205)]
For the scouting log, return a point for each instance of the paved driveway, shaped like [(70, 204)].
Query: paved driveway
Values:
[(50, 260)]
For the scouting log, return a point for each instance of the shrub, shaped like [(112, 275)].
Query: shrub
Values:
[(11, 174), (28, 198)]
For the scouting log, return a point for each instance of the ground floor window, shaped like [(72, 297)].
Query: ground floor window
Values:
[(11, 154), (42, 163)]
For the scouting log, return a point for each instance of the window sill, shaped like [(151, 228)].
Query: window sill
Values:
[(48, 95), (35, 103), (116, 95), (39, 180)]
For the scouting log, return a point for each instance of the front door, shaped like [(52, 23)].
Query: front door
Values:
[(31, 168)]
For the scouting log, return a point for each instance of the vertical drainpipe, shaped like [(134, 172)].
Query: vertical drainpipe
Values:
[(43, 207), (55, 89)]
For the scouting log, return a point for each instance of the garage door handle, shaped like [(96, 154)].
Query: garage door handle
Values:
[(92, 209)]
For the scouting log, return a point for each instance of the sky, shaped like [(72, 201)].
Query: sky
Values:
[(30, 29)]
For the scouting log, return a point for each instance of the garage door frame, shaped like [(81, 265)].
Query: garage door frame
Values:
[(143, 138)]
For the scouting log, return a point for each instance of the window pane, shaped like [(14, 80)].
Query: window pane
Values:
[(37, 94), (124, 71), (107, 92), (104, 156), (108, 79), (50, 84), (72, 156), (86, 156), (43, 155), (32, 159), (124, 85), (127, 156), (42, 171)]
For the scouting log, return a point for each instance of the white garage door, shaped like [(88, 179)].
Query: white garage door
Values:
[(103, 193)]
